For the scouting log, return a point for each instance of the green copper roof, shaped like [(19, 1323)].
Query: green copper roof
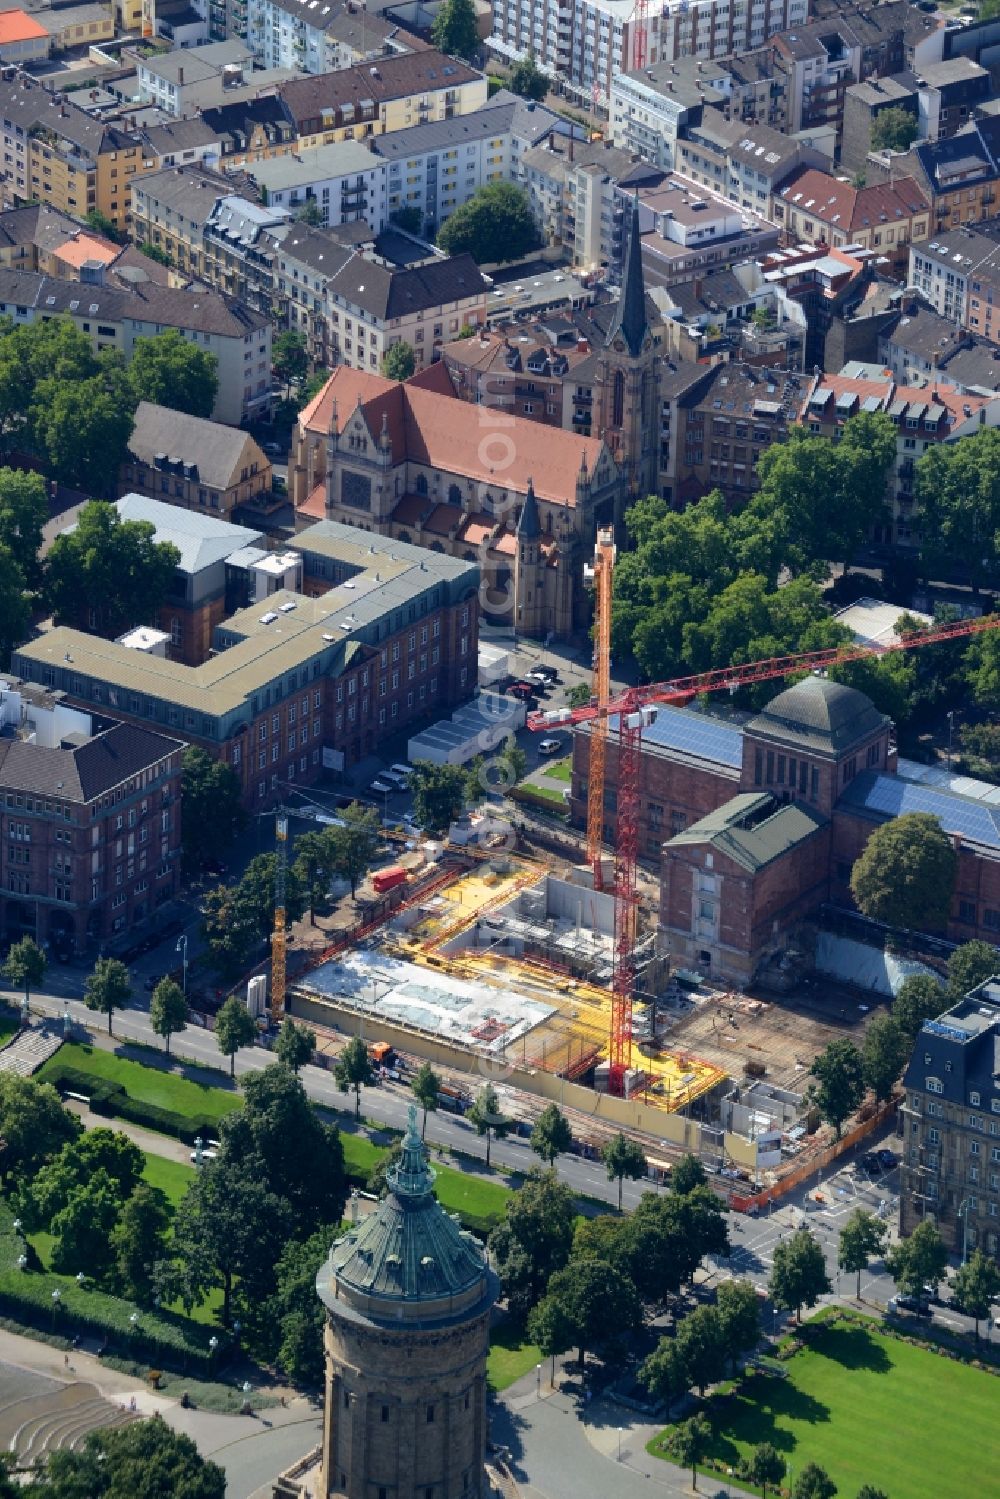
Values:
[(409, 1249)]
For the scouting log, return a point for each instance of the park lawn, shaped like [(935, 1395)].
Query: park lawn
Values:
[(511, 1355), (172, 1177), (560, 770), (153, 1085), (480, 1204), (868, 1409), (547, 793), (9, 1024), (360, 1155)]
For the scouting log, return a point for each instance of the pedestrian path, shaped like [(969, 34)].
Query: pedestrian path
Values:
[(31, 1048)]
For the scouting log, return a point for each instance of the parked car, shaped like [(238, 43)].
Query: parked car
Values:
[(550, 747), (382, 787), (870, 1163), (523, 691), (919, 1306), (539, 679), (887, 1160), (397, 782), (402, 769), (273, 449), (548, 672)]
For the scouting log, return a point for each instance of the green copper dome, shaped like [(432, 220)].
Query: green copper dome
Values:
[(409, 1250)]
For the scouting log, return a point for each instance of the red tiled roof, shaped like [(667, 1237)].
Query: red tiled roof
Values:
[(315, 503), (505, 544), (347, 387), (887, 392), (409, 510), (18, 26), (847, 208), (443, 518), (475, 529)]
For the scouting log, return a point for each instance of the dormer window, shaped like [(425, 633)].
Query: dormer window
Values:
[(934, 1085), (974, 1100)]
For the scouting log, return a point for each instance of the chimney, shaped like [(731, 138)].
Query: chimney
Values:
[(180, 77), (582, 346), (571, 143)]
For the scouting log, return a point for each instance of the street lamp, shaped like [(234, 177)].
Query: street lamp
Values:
[(619, 1444), (951, 725), (67, 1022), (182, 947), (963, 1213), (80, 1278), (213, 1344), (56, 1298), (538, 1380), (199, 1146), (22, 1262)]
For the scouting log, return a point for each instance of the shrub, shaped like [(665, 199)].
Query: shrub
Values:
[(111, 1101)]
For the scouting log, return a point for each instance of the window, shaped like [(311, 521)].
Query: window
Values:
[(974, 1100), (430, 1415), (967, 912), (934, 1085)]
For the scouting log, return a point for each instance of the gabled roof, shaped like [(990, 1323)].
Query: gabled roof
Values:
[(752, 829), (308, 99), (85, 771), (220, 453), (843, 207), (202, 540)]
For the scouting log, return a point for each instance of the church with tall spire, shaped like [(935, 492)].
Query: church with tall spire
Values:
[(626, 389)]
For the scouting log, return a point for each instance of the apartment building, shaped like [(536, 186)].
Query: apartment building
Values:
[(436, 168), (586, 46), (922, 416), (815, 208), (960, 174), (69, 26), (688, 231), (393, 94), (388, 637), (651, 109), (184, 81), (723, 426), (93, 821), (57, 153), (192, 463), (920, 348), (950, 1166), (578, 192), (959, 274), (345, 181), (352, 306), (748, 164), (22, 38), (113, 318)]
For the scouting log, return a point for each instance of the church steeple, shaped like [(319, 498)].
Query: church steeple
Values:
[(529, 527), (630, 316)]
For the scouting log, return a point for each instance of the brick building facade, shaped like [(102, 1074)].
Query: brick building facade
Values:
[(92, 823)]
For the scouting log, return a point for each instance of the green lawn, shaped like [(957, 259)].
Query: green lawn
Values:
[(510, 1356), (167, 1090), (547, 793), (869, 1409), (560, 770), (172, 1178), (480, 1203), (360, 1155), (9, 1024)]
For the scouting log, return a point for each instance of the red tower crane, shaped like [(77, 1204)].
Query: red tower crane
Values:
[(635, 709), (640, 35)]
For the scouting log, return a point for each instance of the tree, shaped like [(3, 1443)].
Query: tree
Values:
[(920, 997), (438, 795), (701, 1346), (211, 806), (82, 430), (256, 890), (139, 1241), (354, 1070), (295, 1044), (598, 1301), (527, 79), (958, 504), (24, 510), (426, 1086), (104, 1150), (862, 1238), (235, 1027), (699, 1219), (814, 1483), (534, 1240), (689, 1442), (229, 1226), (579, 696), (663, 1373), (399, 361), (687, 1174), (109, 569), (486, 1116), (868, 1491), (171, 370), (101, 224), (168, 1010), (456, 30), (353, 845), (798, 1274), (408, 218), (894, 129), (841, 1087), (738, 1306), (82, 1229), (34, 1126), (551, 1329), (919, 1260), (296, 1312), (14, 608), (623, 1158), (279, 1135), (495, 224), (883, 1055), (513, 762), (765, 1465), (109, 988), (289, 358), (25, 966), (231, 928), (314, 867), (143, 1460), (975, 1286), (551, 1136), (969, 965)]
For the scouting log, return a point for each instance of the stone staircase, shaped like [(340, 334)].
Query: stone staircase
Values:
[(31, 1048), (58, 1418)]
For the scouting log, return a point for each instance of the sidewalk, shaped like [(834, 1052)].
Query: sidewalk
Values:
[(146, 1139)]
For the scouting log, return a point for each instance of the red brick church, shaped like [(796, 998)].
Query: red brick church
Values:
[(756, 825)]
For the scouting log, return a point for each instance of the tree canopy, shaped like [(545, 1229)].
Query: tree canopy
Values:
[(399, 361), (168, 1010), (172, 370), (975, 1286), (905, 874), (235, 1027), (143, 1460), (883, 1055), (109, 988), (211, 806), (456, 29), (623, 1158), (494, 225), (840, 1085), (534, 1240), (527, 79), (919, 1260), (798, 1274), (551, 1136), (862, 1238), (969, 965), (957, 488), (108, 574), (894, 129), (920, 997), (439, 794)]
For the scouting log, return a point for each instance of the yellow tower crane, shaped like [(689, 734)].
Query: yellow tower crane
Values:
[(278, 936), (600, 575)]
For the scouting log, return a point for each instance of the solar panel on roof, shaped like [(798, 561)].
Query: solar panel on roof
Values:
[(894, 797), (692, 734)]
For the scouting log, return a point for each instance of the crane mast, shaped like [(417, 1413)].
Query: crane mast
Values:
[(278, 936), (635, 708), (601, 577)]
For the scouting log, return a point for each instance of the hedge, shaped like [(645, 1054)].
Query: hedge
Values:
[(111, 1100), (160, 1336)]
